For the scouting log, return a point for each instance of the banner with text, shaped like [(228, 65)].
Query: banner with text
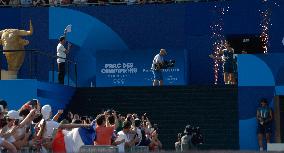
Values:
[(133, 68)]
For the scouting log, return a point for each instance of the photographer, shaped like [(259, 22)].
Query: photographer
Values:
[(264, 118), (186, 139), (178, 143), (157, 65)]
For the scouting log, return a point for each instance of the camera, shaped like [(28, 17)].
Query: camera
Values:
[(165, 64), (197, 137), (194, 134), (169, 64)]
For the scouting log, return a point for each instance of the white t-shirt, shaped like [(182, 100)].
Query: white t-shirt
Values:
[(157, 59), (121, 136), (61, 53), (139, 133), (50, 126)]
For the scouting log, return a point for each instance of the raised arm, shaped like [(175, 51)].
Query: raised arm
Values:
[(57, 115), (29, 118), (115, 120)]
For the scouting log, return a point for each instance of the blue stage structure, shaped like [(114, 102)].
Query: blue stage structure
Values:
[(175, 27), (139, 31), (17, 92)]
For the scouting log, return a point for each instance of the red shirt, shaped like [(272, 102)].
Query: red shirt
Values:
[(58, 145), (103, 135)]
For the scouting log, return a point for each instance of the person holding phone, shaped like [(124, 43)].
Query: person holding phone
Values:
[(123, 141), (16, 128)]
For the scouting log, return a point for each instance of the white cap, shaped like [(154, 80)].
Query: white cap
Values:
[(12, 114), (46, 111)]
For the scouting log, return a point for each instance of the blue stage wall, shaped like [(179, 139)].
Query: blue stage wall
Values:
[(260, 76), (142, 27), (125, 68), (182, 29), (18, 92)]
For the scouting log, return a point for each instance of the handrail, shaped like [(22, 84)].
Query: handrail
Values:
[(43, 53), (48, 55)]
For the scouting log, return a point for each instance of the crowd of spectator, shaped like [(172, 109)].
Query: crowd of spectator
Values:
[(33, 127), (27, 3)]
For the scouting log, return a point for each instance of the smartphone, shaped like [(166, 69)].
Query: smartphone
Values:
[(17, 122), (33, 102)]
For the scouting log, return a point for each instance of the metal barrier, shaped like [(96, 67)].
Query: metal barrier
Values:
[(111, 149), (27, 150), (141, 149), (38, 64), (98, 149)]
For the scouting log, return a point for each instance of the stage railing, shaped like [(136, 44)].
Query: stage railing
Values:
[(41, 66), (98, 149), (111, 149)]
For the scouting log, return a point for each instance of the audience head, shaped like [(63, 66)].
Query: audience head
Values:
[(46, 112), (126, 126), (163, 52), (62, 39), (13, 117), (137, 122), (24, 113), (263, 102), (101, 120), (4, 105), (111, 120)]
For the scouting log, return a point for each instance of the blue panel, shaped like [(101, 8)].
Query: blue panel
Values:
[(54, 94), (17, 92), (253, 71), (10, 19), (90, 34), (247, 134), (249, 98), (279, 90), (134, 69)]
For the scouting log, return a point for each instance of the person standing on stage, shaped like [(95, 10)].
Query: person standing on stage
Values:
[(226, 55), (157, 64), (61, 57), (264, 126), (228, 64)]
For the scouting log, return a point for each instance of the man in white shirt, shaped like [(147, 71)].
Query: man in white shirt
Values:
[(158, 61), (61, 58), (123, 141)]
